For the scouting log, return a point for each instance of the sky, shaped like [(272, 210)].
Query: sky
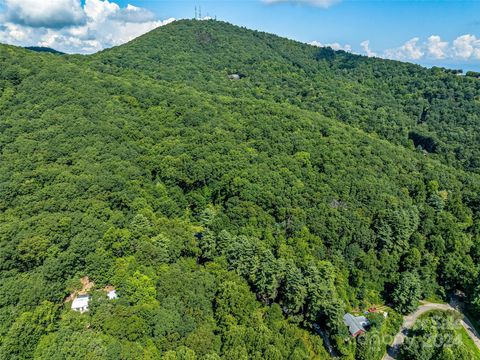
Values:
[(431, 33)]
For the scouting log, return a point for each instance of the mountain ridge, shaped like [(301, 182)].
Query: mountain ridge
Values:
[(414, 119)]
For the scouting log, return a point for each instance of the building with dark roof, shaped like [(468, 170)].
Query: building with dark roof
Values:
[(356, 324)]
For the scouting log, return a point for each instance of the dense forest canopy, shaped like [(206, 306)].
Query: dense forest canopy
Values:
[(236, 217)]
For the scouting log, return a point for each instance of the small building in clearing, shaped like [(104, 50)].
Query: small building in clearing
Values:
[(234, 76), (356, 324), (80, 303), (112, 295)]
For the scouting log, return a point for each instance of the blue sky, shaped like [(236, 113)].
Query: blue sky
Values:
[(388, 23), (444, 33)]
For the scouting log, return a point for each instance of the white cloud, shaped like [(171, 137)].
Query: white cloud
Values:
[(411, 50), (102, 24), (39, 13), (466, 47), (334, 46), (437, 49), (135, 14), (319, 3), (366, 48), (16, 32), (99, 10)]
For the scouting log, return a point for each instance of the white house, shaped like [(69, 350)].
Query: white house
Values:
[(80, 303), (112, 295)]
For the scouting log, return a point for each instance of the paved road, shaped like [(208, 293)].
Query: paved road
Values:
[(409, 320)]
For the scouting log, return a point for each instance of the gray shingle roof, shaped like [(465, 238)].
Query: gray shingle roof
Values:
[(355, 323)]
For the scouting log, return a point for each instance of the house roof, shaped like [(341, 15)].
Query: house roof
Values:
[(80, 301), (355, 323), (362, 320), (112, 294)]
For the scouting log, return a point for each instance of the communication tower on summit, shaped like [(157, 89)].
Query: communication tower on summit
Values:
[(198, 14)]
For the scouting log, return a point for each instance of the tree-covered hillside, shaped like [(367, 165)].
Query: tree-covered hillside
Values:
[(435, 110), (236, 219)]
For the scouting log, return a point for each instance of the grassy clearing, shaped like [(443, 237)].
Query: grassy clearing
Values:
[(468, 343), (434, 300)]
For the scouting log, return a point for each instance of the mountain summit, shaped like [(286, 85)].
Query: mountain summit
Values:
[(401, 102)]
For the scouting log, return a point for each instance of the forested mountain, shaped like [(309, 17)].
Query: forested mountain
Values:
[(236, 216), (436, 110)]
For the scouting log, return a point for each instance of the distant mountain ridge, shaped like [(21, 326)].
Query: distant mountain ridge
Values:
[(44, 49)]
